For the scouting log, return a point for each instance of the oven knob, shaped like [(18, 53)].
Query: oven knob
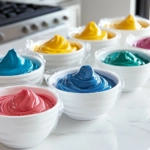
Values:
[(2, 36), (25, 29), (56, 21), (34, 27), (65, 18), (44, 24)]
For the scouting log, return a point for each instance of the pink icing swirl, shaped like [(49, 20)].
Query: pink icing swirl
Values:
[(25, 102), (143, 43)]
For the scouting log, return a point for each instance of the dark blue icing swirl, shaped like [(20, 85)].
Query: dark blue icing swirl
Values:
[(85, 81), (13, 64)]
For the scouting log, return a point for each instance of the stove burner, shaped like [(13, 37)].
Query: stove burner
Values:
[(11, 12)]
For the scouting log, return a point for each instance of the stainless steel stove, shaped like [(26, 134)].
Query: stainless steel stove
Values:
[(18, 20)]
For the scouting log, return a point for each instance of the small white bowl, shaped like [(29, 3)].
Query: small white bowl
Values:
[(56, 61), (131, 39), (96, 44), (29, 130), (34, 77), (133, 77), (105, 23), (86, 106)]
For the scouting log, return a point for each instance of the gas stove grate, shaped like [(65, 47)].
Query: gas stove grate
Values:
[(11, 12)]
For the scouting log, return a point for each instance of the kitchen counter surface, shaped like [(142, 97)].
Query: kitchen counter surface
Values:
[(126, 127)]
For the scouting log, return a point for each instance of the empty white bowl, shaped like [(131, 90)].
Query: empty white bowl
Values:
[(34, 77), (55, 61), (29, 130), (106, 23), (96, 44), (86, 106), (133, 77)]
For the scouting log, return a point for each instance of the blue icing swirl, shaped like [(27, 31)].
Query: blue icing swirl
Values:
[(85, 81), (14, 64)]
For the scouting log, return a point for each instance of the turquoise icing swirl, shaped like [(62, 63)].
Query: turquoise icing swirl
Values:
[(125, 58), (85, 81), (14, 64)]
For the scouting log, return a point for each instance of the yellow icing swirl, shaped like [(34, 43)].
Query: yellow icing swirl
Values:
[(129, 23), (92, 32), (57, 45)]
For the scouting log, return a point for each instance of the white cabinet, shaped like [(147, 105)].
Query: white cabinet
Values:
[(74, 11), (74, 15)]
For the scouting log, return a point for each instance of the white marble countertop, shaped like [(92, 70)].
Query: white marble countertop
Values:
[(126, 127)]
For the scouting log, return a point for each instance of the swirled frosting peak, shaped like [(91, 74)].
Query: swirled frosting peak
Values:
[(25, 102), (92, 32), (125, 58), (14, 64), (129, 23), (86, 80), (57, 45)]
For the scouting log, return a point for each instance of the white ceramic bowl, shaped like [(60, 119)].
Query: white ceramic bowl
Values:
[(55, 61), (34, 77), (87, 106), (105, 23), (29, 130), (131, 39), (96, 44), (133, 77)]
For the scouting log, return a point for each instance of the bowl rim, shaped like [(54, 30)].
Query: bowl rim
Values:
[(117, 35), (55, 55), (118, 84), (112, 50), (37, 114), (42, 64), (119, 19)]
